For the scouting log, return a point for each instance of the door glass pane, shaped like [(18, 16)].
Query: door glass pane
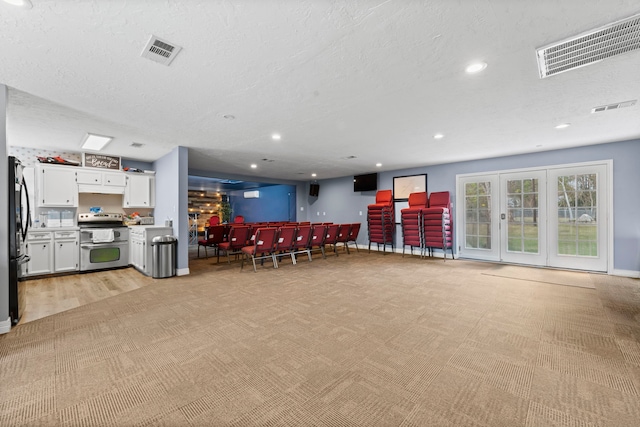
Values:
[(522, 215), (477, 215), (577, 215)]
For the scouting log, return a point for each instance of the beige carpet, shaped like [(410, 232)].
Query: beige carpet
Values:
[(544, 275), (357, 340)]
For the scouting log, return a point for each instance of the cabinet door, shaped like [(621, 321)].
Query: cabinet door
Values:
[(41, 255), (66, 255), (116, 179), (139, 191), (89, 177), (57, 186)]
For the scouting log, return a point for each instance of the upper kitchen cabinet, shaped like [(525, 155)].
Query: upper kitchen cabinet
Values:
[(92, 181), (139, 191), (56, 186)]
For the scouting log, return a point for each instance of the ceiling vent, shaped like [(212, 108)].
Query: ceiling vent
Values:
[(604, 42), (616, 106), (160, 51)]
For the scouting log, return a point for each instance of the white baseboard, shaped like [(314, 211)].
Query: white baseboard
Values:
[(626, 273), (416, 251), (5, 326), (182, 271)]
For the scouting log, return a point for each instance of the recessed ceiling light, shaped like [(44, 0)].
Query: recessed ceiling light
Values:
[(378, 165), (253, 166), (314, 175), (95, 142), (26, 4), (276, 137), (476, 67), (438, 136), (563, 125)]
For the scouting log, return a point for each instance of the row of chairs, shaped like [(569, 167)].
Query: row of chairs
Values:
[(277, 242)]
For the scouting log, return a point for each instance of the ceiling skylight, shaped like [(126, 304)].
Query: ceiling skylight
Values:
[(95, 142)]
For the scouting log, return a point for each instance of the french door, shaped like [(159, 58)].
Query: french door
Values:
[(523, 225), (554, 217)]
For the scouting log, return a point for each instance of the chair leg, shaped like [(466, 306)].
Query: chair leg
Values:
[(255, 270), (275, 261), (322, 250), (242, 262), (206, 255)]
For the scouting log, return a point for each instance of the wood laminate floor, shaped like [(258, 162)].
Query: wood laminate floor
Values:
[(52, 295), (55, 294)]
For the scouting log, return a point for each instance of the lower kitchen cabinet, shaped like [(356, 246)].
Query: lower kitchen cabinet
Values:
[(39, 247), (65, 253), (140, 249), (52, 252)]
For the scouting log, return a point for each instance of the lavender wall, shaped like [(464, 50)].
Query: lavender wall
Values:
[(338, 203), (171, 199), (4, 215)]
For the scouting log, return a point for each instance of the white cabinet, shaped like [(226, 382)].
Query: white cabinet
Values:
[(140, 251), (139, 191), (93, 181), (66, 253), (52, 252), (56, 186), (40, 248)]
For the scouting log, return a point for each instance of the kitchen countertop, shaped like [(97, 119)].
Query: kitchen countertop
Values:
[(42, 229)]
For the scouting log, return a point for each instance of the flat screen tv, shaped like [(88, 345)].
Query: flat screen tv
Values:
[(368, 182)]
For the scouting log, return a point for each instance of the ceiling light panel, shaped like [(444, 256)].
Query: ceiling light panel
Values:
[(604, 42), (95, 142)]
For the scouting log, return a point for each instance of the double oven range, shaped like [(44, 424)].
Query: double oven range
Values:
[(104, 241)]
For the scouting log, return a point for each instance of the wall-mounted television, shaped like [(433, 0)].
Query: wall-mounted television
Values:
[(367, 182)]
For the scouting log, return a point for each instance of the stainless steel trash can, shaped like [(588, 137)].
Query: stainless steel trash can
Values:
[(164, 256)]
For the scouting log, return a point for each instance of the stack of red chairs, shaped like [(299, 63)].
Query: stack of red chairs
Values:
[(381, 220), (438, 224), (412, 225)]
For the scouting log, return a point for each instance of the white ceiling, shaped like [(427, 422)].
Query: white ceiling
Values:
[(375, 79)]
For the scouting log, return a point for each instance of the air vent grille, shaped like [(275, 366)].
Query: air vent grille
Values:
[(616, 106), (611, 40), (160, 51)]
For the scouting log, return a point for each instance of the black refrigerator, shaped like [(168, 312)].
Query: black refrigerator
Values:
[(19, 218)]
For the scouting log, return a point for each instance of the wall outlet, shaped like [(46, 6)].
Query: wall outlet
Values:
[(324, 213), (301, 208), (360, 213), (318, 213)]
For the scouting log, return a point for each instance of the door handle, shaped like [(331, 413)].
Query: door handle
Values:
[(502, 216)]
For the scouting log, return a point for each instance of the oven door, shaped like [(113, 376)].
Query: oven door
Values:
[(94, 256)]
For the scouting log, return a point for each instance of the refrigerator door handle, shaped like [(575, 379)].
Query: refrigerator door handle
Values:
[(22, 259), (25, 226)]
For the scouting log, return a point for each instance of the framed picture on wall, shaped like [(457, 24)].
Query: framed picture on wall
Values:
[(405, 185)]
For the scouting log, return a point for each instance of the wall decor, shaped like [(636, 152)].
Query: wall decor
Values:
[(100, 161), (405, 185)]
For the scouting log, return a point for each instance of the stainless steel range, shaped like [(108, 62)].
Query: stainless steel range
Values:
[(104, 241)]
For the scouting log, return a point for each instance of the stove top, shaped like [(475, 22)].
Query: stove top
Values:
[(99, 218)]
